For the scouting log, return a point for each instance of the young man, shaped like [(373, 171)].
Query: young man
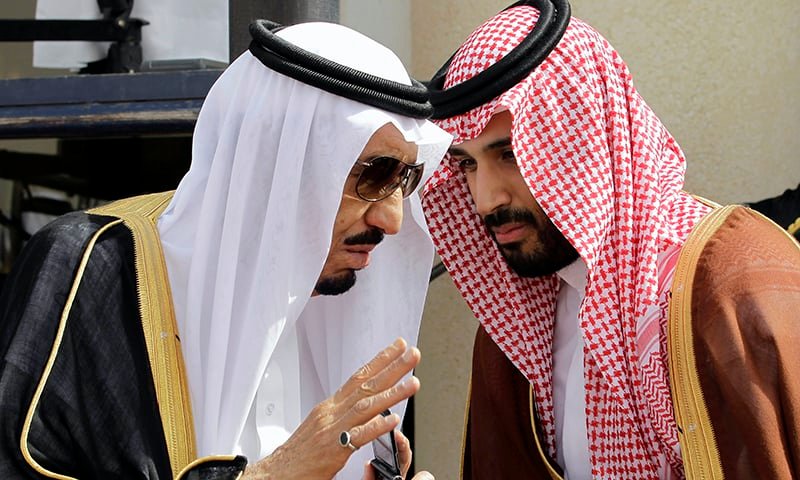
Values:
[(629, 329), (162, 336)]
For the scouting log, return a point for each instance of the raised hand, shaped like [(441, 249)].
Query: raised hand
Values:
[(314, 450)]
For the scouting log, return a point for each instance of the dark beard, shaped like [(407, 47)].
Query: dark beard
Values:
[(338, 284), (552, 253)]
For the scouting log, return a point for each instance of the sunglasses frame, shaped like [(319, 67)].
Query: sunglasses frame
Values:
[(405, 175)]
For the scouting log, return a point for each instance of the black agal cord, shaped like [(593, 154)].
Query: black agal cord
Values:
[(554, 17), (293, 61)]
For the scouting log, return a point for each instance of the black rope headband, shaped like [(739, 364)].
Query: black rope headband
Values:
[(293, 61), (554, 17)]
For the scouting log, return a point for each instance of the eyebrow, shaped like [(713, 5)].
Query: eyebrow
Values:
[(502, 143), (400, 158)]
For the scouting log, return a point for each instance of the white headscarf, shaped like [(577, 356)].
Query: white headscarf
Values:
[(248, 231)]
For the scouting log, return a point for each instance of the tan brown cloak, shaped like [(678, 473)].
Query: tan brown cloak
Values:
[(734, 354)]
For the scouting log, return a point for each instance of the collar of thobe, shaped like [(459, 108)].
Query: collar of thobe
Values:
[(575, 275)]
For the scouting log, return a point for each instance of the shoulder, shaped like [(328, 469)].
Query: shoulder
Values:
[(734, 240), (70, 229), (737, 264), (733, 332), (108, 228), (65, 239)]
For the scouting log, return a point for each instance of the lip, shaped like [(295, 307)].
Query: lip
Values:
[(366, 248), (359, 255), (509, 233)]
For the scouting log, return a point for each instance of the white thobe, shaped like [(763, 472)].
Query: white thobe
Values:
[(569, 397)]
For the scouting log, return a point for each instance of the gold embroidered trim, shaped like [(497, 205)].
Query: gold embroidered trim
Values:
[(210, 458), (553, 473), (794, 227), (699, 450), (62, 325), (160, 329), (705, 201)]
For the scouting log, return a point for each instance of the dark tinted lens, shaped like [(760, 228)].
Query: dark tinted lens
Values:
[(380, 178), (412, 178)]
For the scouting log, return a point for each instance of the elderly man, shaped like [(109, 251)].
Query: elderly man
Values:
[(629, 329), (183, 335)]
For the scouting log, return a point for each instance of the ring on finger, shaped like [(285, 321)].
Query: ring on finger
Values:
[(345, 441)]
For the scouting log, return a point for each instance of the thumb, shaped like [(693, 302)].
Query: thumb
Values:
[(423, 476), (369, 474)]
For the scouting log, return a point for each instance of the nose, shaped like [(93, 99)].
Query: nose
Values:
[(387, 214), (489, 188)]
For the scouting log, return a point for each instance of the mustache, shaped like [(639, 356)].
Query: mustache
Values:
[(373, 236), (509, 215)]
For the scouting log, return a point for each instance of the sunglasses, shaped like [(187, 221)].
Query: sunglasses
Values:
[(381, 176)]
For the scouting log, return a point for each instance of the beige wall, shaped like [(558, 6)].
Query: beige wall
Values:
[(722, 75), (387, 21)]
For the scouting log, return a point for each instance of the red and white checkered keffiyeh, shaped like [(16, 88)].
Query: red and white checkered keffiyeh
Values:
[(608, 174)]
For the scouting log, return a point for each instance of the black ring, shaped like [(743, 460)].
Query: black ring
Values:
[(304, 66), (554, 16), (345, 441)]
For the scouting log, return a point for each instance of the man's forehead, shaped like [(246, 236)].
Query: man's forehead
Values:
[(496, 133), (389, 141)]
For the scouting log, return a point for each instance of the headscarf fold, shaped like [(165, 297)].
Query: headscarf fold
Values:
[(609, 175), (248, 232)]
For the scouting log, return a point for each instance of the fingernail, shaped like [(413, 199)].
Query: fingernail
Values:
[(399, 342), (409, 382), (409, 354)]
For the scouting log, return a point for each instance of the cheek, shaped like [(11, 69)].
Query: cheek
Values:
[(521, 191), (350, 213), (470, 180)]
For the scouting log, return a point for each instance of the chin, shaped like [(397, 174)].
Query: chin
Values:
[(537, 264), (336, 284)]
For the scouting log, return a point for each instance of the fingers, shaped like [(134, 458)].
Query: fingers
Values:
[(379, 384), (353, 413), (403, 452), (363, 434), (391, 374), (368, 407), (377, 364), (369, 473), (423, 476)]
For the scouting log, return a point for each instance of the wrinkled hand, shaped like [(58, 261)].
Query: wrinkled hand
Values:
[(403, 456), (313, 450)]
